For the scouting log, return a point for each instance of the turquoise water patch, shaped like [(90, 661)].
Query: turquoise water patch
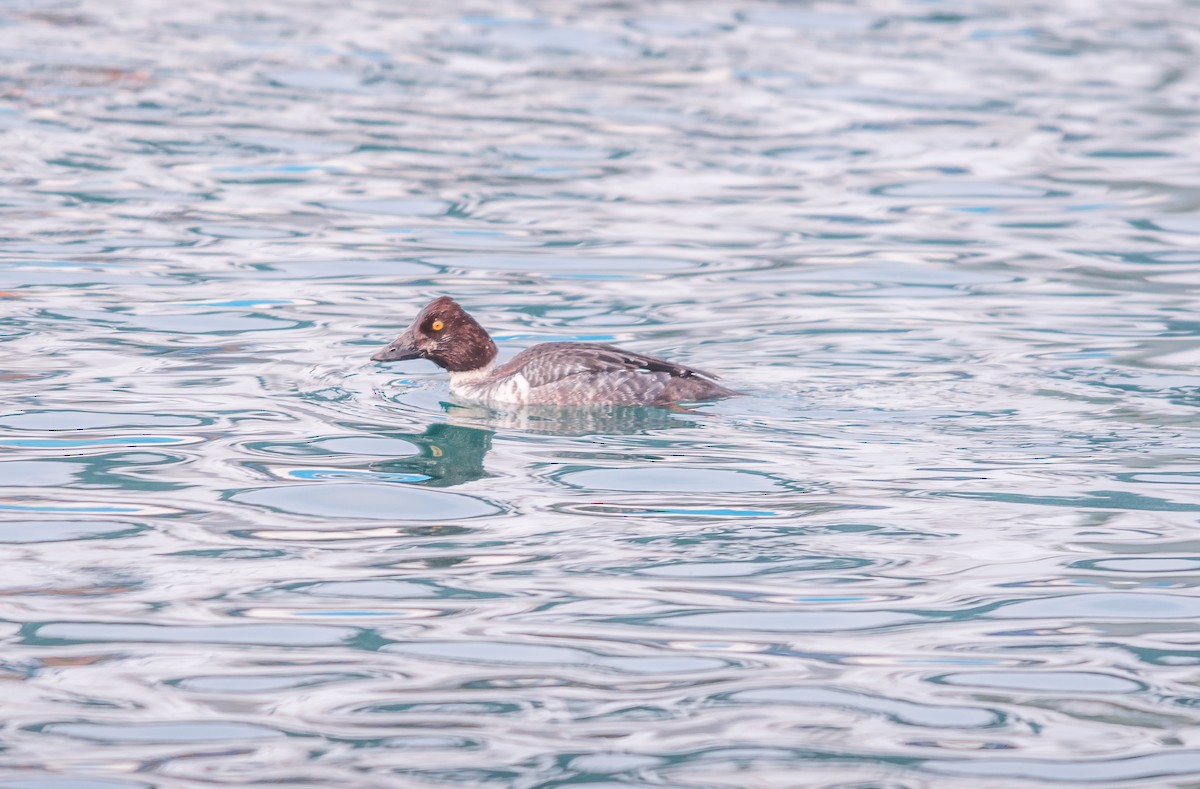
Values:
[(379, 589), (670, 480), (95, 420), (399, 206), (262, 634), (1052, 682), (1077, 771), (27, 531), (1130, 605), (337, 473), (163, 732), (65, 782), (108, 441), (368, 445), (535, 655), (965, 189), (911, 713), (62, 507), (262, 683), (27, 473), (353, 500), (565, 264), (787, 621)]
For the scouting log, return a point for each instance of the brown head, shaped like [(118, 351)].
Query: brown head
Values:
[(444, 334)]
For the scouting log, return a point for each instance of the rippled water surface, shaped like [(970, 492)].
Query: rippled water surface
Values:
[(951, 249)]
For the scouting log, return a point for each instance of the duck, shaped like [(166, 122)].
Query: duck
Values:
[(550, 373)]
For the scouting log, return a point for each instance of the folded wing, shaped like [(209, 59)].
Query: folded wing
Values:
[(549, 363)]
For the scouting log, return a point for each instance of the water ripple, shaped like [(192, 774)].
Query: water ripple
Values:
[(949, 539)]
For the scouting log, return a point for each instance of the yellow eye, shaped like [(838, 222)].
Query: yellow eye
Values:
[(437, 325)]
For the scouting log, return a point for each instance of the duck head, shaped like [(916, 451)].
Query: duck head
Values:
[(444, 334)]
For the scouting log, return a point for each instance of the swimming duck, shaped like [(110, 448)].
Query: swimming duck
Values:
[(552, 373)]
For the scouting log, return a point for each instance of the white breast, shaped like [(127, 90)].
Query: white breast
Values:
[(478, 385)]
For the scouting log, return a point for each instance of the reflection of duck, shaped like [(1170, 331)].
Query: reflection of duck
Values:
[(452, 453), (552, 373), (449, 455), (577, 420)]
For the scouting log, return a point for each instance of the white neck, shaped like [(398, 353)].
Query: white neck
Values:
[(464, 378)]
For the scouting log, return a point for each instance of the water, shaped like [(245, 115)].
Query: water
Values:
[(952, 250)]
